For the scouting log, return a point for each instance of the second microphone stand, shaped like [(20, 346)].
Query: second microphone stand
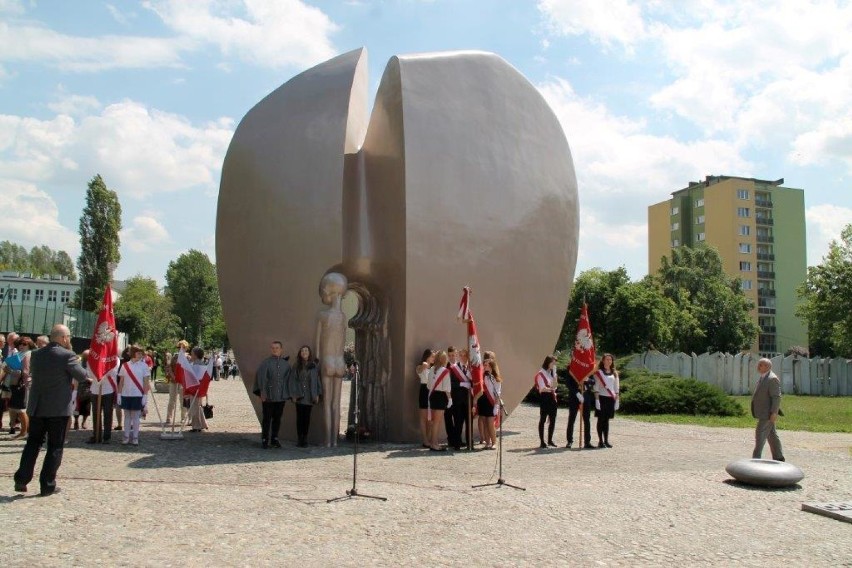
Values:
[(500, 481)]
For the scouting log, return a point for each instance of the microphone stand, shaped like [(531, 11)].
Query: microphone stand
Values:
[(500, 481), (352, 493)]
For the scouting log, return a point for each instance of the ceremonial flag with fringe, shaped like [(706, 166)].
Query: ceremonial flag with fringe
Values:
[(583, 357)]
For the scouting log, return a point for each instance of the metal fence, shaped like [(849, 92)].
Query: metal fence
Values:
[(737, 374), (32, 319)]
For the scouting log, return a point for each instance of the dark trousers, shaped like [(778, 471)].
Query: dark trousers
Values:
[(271, 421), (573, 410), (546, 410), (53, 428), (105, 419), (303, 421), (455, 417)]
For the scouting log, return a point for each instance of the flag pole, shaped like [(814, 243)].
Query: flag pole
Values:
[(99, 434)]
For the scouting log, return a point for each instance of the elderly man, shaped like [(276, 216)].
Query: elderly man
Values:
[(271, 384), (766, 406), (53, 369)]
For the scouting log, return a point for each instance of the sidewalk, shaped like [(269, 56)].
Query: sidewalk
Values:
[(660, 496)]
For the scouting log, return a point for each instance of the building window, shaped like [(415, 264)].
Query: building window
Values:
[(39, 295), (675, 226), (675, 210), (25, 294), (65, 296), (699, 237), (699, 202), (746, 284), (745, 248), (745, 230), (676, 243), (13, 293), (742, 193), (743, 212), (699, 220), (745, 266), (51, 295)]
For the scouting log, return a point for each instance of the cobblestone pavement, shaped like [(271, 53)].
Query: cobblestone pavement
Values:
[(660, 496)]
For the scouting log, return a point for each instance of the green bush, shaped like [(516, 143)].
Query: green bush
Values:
[(643, 392)]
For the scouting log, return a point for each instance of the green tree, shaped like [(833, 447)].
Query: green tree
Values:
[(145, 315), (62, 264), (827, 300), (194, 291), (642, 318), (597, 287), (40, 260), (13, 256), (694, 280), (99, 242)]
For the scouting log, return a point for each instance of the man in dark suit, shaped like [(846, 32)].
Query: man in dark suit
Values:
[(765, 406), (53, 368)]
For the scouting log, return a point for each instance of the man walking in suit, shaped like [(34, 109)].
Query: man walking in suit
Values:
[(53, 368), (765, 406)]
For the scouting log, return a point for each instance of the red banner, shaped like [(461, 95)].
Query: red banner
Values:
[(103, 350), (583, 357)]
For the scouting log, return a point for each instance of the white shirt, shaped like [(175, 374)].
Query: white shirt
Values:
[(104, 384), (544, 380), (445, 385), (140, 371), (611, 382), (424, 375)]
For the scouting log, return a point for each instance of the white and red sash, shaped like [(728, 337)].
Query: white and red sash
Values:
[(546, 382), (460, 376), (133, 378), (439, 378), (491, 390), (601, 376)]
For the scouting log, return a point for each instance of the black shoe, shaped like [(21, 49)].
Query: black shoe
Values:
[(264, 444), (569, 444), (275, 444), (12, 430), (779, 459), (45, 491), (543, 446), (607, 444), (601, 445), (551, 444), (20, 488)]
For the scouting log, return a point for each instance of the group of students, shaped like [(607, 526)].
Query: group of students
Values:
[(449, 397), (599, 392)]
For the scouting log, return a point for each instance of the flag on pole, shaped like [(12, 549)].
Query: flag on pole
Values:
[(103, 350), (196, 379), (474, 350), (583, 357)]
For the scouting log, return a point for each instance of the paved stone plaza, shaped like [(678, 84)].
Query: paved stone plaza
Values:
[(660, 496)]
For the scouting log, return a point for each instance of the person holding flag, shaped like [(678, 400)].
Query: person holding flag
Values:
[(545, 384), (102, 368), (582, 366), (474, 355), (134, 384), (196, 381)]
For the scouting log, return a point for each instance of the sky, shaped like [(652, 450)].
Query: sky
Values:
[(651, 95)]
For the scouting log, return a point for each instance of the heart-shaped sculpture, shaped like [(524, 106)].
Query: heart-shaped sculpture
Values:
[(462, 177)]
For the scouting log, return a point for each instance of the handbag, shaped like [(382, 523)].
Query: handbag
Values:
[(208, 410)]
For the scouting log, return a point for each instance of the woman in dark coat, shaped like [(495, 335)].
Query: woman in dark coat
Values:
[(305, 390)]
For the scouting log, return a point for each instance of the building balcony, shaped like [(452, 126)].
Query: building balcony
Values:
[(765, 292), (765, 239), (764, 220), (765, 256), (765, 275), (763, 203)]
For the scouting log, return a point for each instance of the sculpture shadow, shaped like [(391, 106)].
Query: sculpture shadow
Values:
[(741, 485), (198, 449)]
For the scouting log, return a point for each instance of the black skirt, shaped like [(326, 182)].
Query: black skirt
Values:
[(19, 398), (547, 404), (423, 399), (484, 406), (438, 400), (607, 407)]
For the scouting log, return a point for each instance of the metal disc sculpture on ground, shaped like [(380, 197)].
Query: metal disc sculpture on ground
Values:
[(461, 175), (765, 473)]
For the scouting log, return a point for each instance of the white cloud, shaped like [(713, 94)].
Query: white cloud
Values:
[(139, 151), (269, 34), (825, 223), (74, 105), (607, 22), (35, 220), (119, 16), (144, 234), (13, 7)]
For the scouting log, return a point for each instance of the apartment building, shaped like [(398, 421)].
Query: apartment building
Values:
[(758, 227)]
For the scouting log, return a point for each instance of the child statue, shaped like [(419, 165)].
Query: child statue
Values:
[(331, 338)]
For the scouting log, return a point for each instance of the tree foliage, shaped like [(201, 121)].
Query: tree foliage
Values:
[(827, 300), (99, 242), (194, 291), (597, 287), (693, 278), (145, 315), (40, 260)]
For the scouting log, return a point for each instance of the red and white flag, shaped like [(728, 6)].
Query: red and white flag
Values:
[(103, 350), (583, 357), (473, 347), (196, 379), (464, 305)]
